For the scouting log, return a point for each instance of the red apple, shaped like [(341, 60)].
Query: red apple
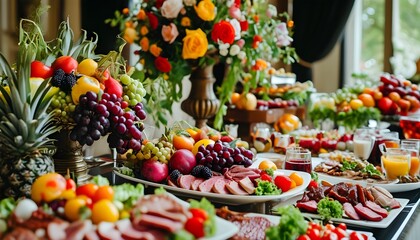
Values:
[(154, 171), (183, 160), (384, 105)]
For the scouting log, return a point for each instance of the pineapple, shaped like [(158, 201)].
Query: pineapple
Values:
[(25, 124)]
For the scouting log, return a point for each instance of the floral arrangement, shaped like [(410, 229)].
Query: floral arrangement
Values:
[(92, 95), (176, 36)]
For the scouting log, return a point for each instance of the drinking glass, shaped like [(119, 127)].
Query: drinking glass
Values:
[(395, 162), (298, 159), (232, 130), (363, 142), (262, 140), (413, 146), (281, 142)]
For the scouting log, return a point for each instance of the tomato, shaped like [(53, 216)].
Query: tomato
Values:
[(297, 178), (104, 210), (283, 182), (313, 233), (341, 233), (195, 226), (265, 177), (87, 189), (183, 142), (304, 237), (315, 225), (329, 235), (70, 184), (73, 208), (200, 213), (329, 227), (313, 183), (66, 63), (103, 192), (342, 226), (357, 236), (39, 69)]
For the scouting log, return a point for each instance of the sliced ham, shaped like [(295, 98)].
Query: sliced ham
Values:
[(376, 208), (235, 188), (350, 211), (247, 185), (196, 183), (207, 185), (107, 230), (361, 194), (56, 230), (159, 222), (367, 214), (309, 206), (176, 216), (185, 181), (171, 183), (220, 186), (76, 230), (91, 235), (128, 232)]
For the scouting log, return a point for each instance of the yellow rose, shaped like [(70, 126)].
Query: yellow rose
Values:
[(206, 10), (144, 44), (195, 44), (130, 35), (155, 50), (185, 22)]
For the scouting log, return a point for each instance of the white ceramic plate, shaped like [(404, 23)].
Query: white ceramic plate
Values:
[(276, 219), (224, 228), (229, 198), (392, 187), (384, 223)]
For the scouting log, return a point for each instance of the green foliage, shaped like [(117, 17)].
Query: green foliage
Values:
[(266, 188), (291, 225), (329, 208)]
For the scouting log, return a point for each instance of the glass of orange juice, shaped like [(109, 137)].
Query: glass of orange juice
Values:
[(395, 162), (413, 146)]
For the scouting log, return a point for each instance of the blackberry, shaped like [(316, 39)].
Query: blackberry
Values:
[(175, 174), (68, 82), (58, 77), (196, 172), (206, 173)]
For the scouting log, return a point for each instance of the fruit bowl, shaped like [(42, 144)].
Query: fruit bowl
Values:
[(410, 126)]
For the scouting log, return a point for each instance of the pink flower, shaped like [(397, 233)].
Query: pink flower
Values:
[(240, 43), (171, 8), (234, 12), (170, 32)]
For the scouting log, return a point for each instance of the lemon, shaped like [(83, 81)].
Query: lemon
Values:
[(204, 142), (267, 164)]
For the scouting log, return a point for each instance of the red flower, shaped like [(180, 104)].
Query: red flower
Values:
[(256, 40), (244, 25), (224, 32), (153, 20), (159, 3), (162, 64), (237, 3)]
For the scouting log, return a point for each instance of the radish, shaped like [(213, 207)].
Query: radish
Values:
[(154, 171)]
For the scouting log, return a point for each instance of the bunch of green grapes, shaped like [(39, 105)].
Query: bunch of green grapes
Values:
[(160, 151), (63, 106), (133, 89)]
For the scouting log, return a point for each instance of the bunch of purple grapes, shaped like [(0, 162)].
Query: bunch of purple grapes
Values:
[(110, 114), (220, 155)]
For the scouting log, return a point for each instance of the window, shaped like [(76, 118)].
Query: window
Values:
[(383, 36)]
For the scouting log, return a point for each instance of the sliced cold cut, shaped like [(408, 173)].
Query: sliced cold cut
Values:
[(129, 232), (207, 185), (220, 186), (247, 185), (309, 206), (196, 183), (376, 208), (367, 214), (235, 188), (350, 211), (185, 181)]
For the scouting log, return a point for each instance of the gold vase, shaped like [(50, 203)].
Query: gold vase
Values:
[(202, 103), (69, 156)]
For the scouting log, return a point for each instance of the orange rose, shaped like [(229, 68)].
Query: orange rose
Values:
[(195, 44), (155, 50), (144, 44)]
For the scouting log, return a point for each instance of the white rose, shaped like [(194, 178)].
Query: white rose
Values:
[(229, 3), (237, 26), (234, 50), (241, 55), (171, 8), (229, 60), (223, 52)]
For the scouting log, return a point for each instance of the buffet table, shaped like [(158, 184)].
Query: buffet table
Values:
[(402, 227)]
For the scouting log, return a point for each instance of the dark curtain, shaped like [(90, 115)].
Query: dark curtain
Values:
[(94, 14), (318, 26)]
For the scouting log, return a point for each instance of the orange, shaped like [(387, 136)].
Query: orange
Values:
[(297, 178), (292, 184), (235, 97), (267, 164), (183, 142), (367, 100), (204, 142), (394, 96), (368, 90), (356, 103)]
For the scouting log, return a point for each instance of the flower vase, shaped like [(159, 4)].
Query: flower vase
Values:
[(69, 157), (202, 103)]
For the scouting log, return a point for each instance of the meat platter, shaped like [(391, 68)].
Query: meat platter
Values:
[(228, 198)]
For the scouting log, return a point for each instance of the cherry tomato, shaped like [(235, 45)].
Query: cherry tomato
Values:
[(329, 227), (103, 192), (104, 210), (304, 237), (199, 213), (341, 233), (283, 182), (313, 233), (66, 63), (265, 177), (195, 226), (70, 184), (329, 235), (357, 236), (313, 183), (342, 226), (87, 189), (39, 69), (315, 225)]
